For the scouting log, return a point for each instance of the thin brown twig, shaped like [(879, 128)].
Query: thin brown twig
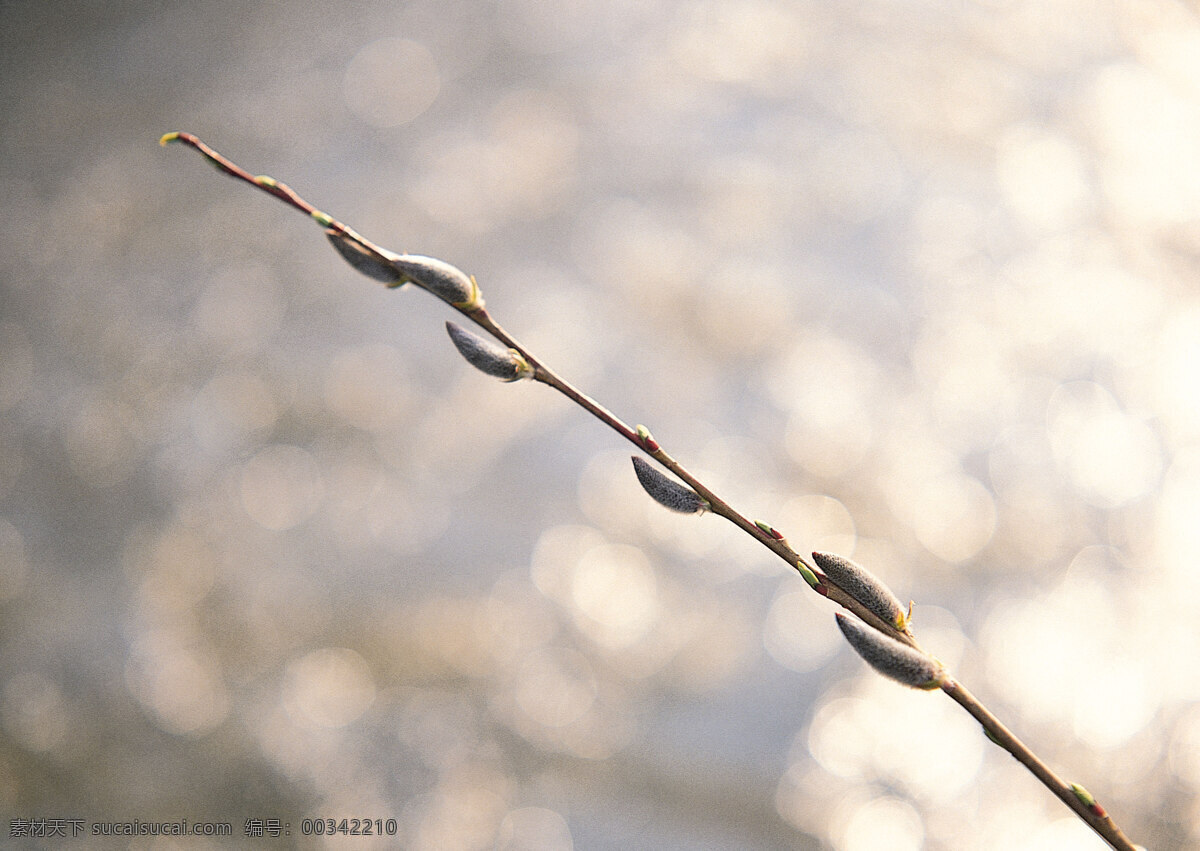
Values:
[(1075, 797)]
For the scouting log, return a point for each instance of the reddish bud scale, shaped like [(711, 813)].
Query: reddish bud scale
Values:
[(770, 530), (648, 442)]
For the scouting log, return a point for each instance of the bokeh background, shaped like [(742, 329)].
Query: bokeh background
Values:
[(913, 282)]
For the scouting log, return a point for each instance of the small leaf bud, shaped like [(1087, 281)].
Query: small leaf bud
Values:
[(648, 441), (666, 491), (863, 586), (769, 529), (809, 576), (486, 356), (1085, 797), (897, 661), (379, 268)]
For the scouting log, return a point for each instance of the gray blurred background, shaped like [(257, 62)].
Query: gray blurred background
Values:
[(913, 282)]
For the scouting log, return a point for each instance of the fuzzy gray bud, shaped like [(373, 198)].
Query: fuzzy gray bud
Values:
[(449, 283), (894, 660), (666, 491), (381, 269), (486, 356), (863, 586)]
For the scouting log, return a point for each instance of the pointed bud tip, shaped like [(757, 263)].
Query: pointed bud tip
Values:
[(666, 491), (167, 138)]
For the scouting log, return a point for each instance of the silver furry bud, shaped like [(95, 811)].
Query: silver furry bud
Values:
[(666, 491), (863, 586), (894, 660), (486, 356), (379, 268), (447, 282)]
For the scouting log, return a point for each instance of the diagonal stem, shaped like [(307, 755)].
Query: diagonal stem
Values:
[(1075, 797), (1093, 815)]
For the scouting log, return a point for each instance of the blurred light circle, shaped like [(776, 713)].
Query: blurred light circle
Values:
[(534, 829), (793, 634), (33, 712), (1143, 124), (836, 737), (14, 566), (391, 81), (281, 487), (824, 522), (1177, 381), (614, 589), (178, 681), (232, 407), (882, 823), (1063, 834), (102, 443), (1112, 457), (555, 686), (953, 516), (1042, 176), (1184, 752), (16, 364), (329, 687), (368, 386)]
